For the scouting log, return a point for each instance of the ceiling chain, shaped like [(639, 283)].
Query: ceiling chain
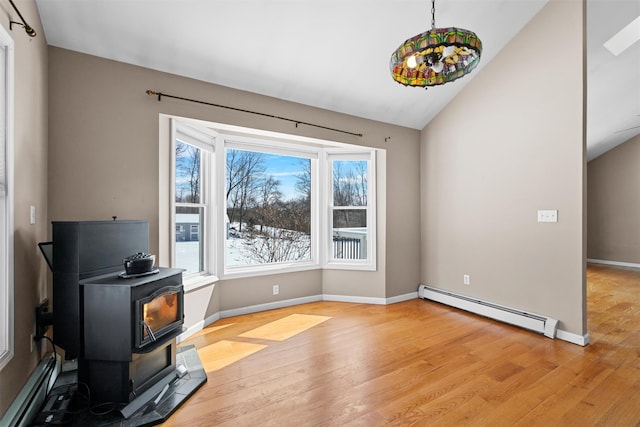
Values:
[(433, 14)]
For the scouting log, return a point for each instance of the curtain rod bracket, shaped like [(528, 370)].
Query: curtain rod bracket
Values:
[(27, 28), (151, 93)]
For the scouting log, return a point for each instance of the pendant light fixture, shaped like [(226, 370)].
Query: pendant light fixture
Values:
[(435, 57)]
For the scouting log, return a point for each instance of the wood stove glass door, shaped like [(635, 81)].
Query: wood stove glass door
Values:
[(159, 314)]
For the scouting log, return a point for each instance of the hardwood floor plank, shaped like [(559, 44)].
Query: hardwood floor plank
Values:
[(605, 395), (624, 412), (285, 328), (418, 363)]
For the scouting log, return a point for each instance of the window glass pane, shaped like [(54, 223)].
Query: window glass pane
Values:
[(188, 173), (349, 182), (268, 208), (189, 249), (349, 234)]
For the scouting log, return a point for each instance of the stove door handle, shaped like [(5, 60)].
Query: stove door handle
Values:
[(149, 331)]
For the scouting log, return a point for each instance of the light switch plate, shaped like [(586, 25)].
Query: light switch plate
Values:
[(548, 216)]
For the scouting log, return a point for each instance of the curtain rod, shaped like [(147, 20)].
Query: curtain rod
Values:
[(297, 122)]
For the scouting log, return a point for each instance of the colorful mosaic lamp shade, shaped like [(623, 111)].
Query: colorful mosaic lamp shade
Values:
[(435, 57)]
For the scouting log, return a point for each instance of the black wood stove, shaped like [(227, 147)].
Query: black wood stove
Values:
[(121, 329), (129, 330)]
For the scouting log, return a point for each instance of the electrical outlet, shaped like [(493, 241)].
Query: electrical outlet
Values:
[(276, 289), (466, 280)]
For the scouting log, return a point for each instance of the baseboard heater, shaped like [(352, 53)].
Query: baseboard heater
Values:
[(533, 322), (26, 405)]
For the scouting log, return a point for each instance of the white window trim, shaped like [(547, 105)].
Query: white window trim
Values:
[(206, 142), (284, 149), (7, 232), (230, 136), (370, 263)]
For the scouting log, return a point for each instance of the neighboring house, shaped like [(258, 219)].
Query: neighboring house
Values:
[(187, 227)]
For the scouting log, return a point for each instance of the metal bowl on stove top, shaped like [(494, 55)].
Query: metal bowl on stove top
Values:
[(139, 263)]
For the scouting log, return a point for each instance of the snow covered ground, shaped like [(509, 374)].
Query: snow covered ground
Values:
[(187, 254), (237, 252)]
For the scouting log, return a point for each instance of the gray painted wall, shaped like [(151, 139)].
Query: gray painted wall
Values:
[(511, 143), (30, 179), (104, 160), (614, 204)]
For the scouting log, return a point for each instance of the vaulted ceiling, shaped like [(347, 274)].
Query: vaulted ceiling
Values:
[(334, 54)]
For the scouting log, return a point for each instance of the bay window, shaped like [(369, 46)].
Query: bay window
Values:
[(249, 202)]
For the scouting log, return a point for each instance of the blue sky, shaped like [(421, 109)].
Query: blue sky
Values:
[(285, 169)]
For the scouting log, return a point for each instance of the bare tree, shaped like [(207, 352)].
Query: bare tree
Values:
[(269, 198), (349, 190), (244, 171), (276, 230), (360, 172), (282, 241), (303, 184), (188, 173)]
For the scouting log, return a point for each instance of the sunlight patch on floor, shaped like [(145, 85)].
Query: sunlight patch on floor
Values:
[(223, 353), (285, 328)]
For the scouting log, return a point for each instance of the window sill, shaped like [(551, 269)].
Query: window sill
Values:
[(197, 282), (349, 266), (267, 270)]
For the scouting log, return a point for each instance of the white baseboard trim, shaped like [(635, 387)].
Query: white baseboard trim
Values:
[(269, 306), (193, 329), (355, 300), (400, 298), (614, 263), (190, 331), (370, 300), (211, 319), (581, 340)]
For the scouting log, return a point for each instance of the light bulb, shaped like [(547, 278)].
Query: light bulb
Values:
[(411, 62), (437, 67)]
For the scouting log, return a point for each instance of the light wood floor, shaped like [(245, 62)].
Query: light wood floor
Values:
[(418, 363)]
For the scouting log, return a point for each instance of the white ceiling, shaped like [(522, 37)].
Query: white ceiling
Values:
[(334, 54), (613, 83)]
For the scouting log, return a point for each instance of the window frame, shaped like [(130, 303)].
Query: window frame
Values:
[(7, 349), (369, 263), (283, 149), (206, 143), (220, 137)]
